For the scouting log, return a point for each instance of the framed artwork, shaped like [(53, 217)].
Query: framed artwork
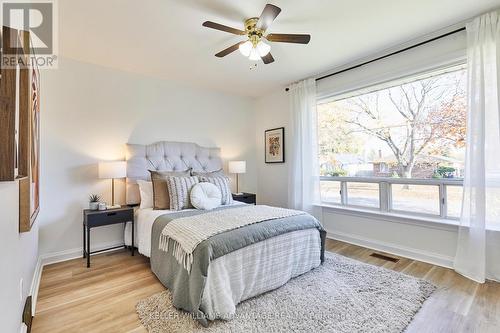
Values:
[(35, 143), (9, 106), (275, 145), (20, 123), (17, 128)]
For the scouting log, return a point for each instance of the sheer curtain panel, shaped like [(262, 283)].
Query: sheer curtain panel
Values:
[(478, 247), (304, 170)]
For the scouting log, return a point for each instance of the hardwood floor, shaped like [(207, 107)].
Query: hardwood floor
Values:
[(102, 298)]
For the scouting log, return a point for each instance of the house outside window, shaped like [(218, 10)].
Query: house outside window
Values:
[(382, 168)]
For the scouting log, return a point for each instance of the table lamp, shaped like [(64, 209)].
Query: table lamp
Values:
[(112, 170), (237, 167)]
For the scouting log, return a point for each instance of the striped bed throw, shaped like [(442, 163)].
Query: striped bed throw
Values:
[(185, 233)]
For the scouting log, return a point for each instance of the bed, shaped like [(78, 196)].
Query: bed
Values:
[(229, 267)]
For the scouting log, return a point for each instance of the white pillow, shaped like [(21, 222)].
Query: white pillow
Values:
[(205, 196), (146, 192)]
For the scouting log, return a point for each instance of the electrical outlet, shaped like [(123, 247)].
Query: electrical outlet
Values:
[(21, 288)]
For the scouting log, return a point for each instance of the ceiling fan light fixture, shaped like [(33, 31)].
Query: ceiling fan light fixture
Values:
[(254, 55), (263, 48), (255, 47), (246, 48)]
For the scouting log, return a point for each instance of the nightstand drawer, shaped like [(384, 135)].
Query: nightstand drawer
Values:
[(248, 198), (109, 217)]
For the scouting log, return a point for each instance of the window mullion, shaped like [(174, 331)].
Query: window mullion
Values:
[(343, 193), (384, 196), (389, 197), (443, 200)]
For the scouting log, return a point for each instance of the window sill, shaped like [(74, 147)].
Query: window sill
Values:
[(436, 223)]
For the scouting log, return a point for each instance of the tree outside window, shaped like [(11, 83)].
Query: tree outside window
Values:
[(412, 130)]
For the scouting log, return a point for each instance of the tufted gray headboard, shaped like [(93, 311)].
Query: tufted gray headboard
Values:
[(167, 156)]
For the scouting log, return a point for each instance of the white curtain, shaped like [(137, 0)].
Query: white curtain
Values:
[(478, 248), (303, 190)]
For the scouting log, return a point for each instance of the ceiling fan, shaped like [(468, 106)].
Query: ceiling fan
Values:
[(255, 28)]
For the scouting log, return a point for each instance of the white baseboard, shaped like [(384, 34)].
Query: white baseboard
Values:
[(35, 284), (396, 249), (23, 328), (55, 257)]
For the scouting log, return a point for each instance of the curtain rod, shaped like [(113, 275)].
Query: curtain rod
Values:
[(390, 54)]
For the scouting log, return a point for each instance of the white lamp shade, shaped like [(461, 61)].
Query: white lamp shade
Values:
[(254, 54), (116, 169), (245, 48), (237, 166), (263, 48)]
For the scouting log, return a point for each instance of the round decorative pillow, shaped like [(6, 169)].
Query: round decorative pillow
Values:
[(205, 196)]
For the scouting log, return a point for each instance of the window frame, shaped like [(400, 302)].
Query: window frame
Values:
[(385, 194), (394, 82), (385, 183), (345, 189)]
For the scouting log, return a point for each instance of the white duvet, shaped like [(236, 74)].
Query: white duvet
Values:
[(144, 219), (244, 273)]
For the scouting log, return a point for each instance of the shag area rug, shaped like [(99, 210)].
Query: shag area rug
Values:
[(342, 295)]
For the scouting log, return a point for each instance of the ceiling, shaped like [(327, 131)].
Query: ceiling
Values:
[(164, 38)]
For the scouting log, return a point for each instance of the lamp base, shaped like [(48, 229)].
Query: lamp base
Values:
[(239, 193), (113, 206)]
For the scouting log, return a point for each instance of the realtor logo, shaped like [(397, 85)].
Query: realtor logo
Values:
[(39, 19)]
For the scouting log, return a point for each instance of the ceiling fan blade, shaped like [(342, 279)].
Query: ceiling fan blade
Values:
[(217, 26), (268, 58), (230, 49), (267, 17), (289, 38)]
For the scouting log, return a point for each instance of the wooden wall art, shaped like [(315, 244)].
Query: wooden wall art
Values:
[(20, 123)]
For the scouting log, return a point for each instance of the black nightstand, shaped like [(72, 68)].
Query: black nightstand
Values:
[(99, 218), (248, 198)]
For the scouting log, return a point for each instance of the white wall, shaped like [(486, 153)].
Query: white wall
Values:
[(426, 242), (18, 257), (444, 52), (88, 114), (272, 112), (430, 242)]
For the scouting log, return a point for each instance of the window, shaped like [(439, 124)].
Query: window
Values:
[(363, 194), (398, 148), (330, 192), (415, 198)]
